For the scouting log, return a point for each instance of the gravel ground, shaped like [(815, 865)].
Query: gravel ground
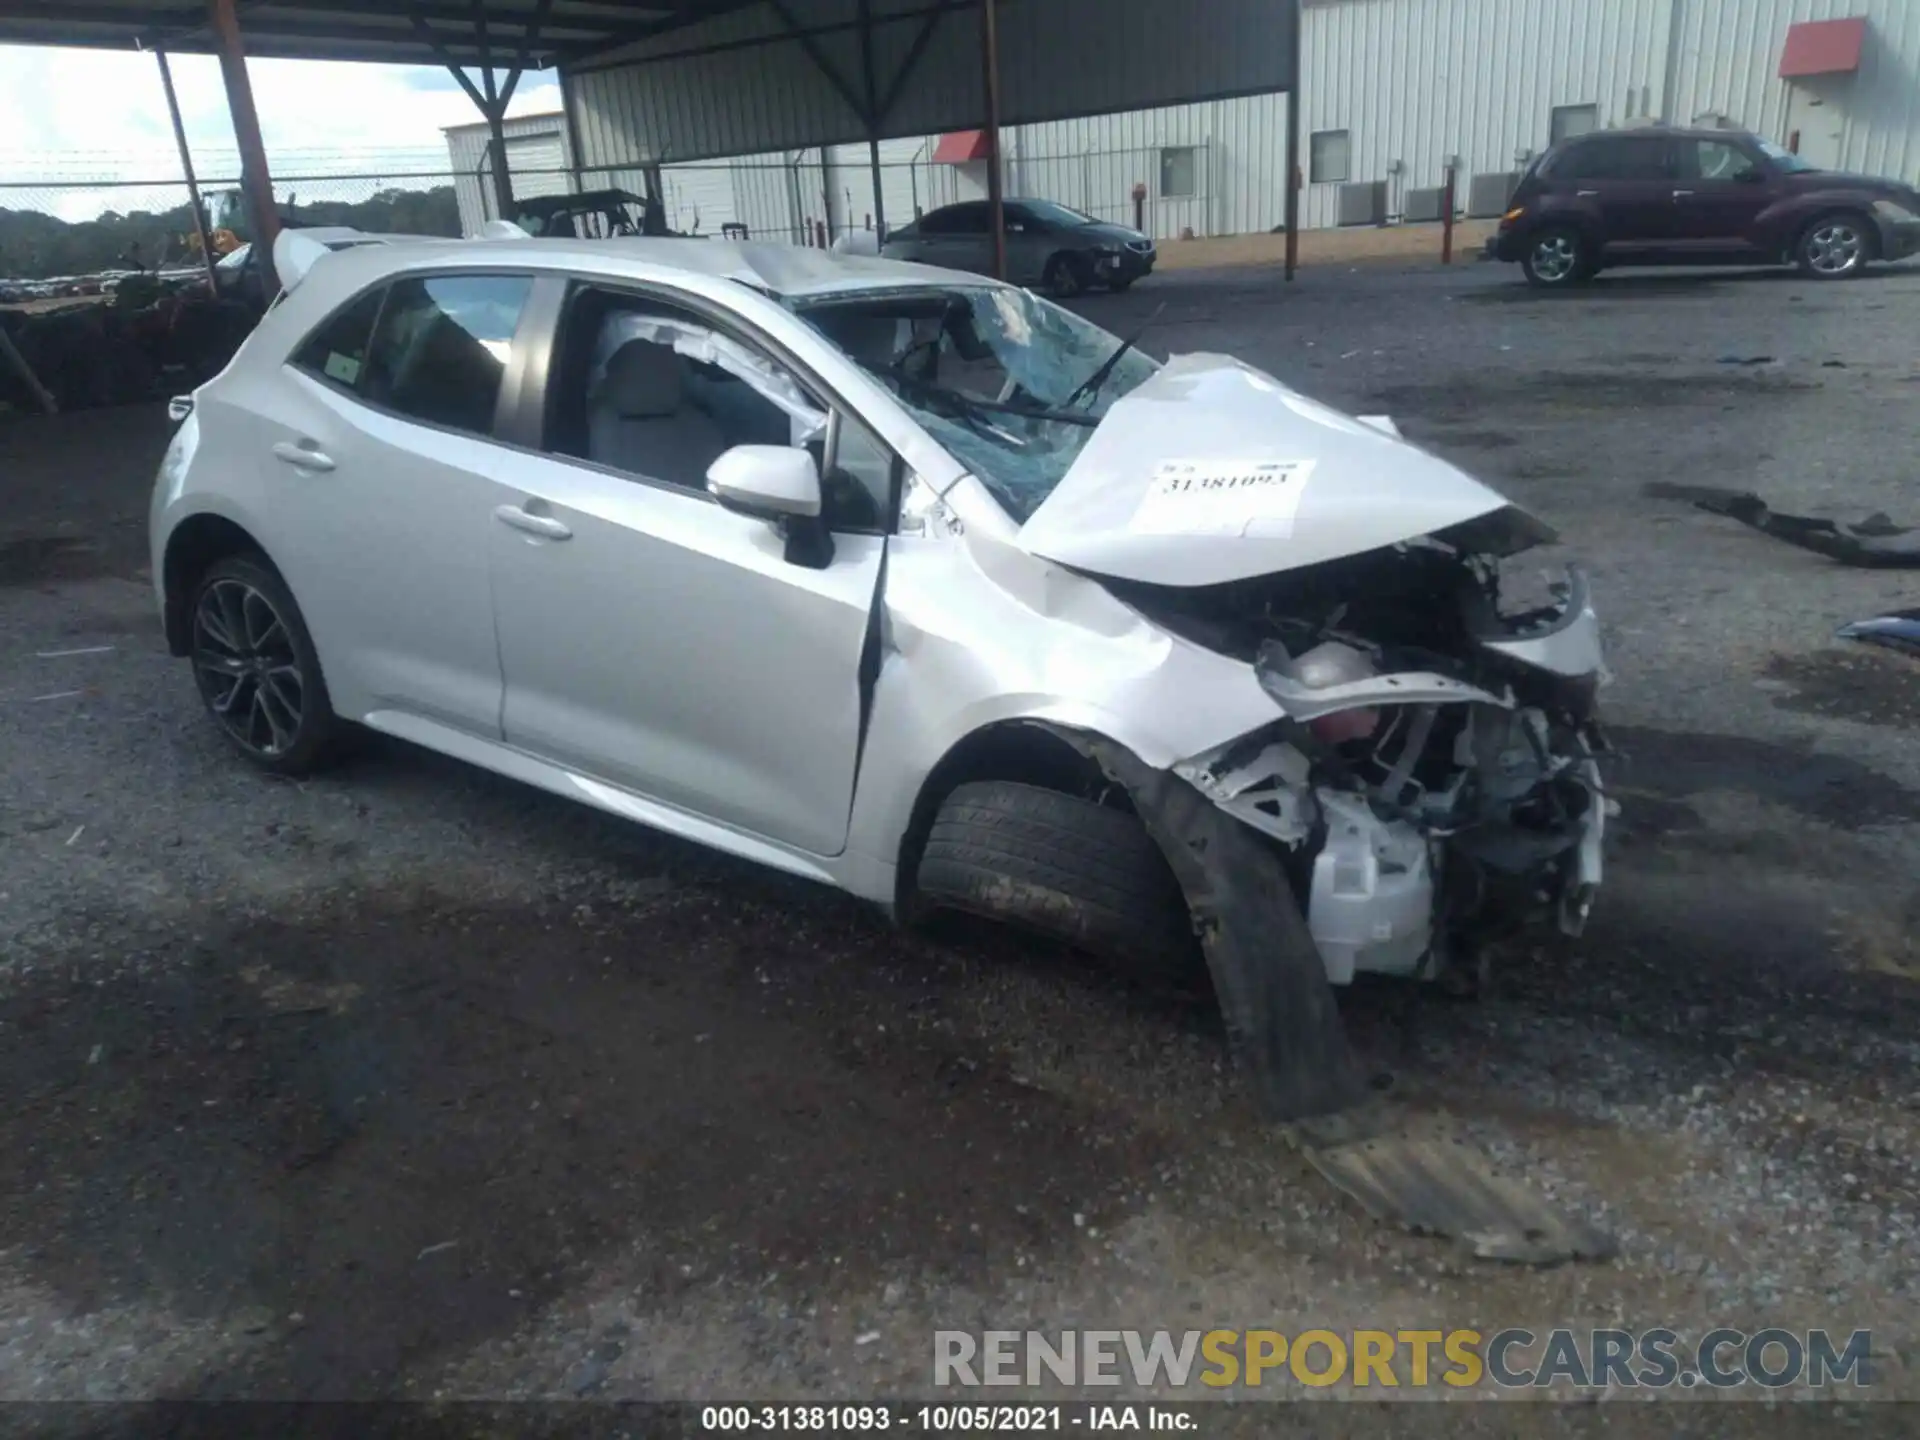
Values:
[(412, 1082)]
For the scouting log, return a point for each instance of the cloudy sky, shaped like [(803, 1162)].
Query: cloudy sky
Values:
[(102, 114)]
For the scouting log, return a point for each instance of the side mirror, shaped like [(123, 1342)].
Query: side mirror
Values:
[(768, 482)]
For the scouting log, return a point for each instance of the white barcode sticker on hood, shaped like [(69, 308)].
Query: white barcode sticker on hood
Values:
[(1222, 497)]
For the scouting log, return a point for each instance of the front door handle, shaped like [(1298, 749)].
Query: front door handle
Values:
[(1585, 194), (1681, 194), (545, 526), (303, 456)]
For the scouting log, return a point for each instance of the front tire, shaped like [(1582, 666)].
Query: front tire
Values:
[(1120, 284), (1062, 867), (1557, 257), (1065, 276), (1834, 247), (256, 668)]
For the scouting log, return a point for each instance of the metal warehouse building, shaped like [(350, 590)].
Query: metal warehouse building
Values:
[(1389, 91)]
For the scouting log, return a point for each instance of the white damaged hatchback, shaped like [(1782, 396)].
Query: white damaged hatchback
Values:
[(906, 581)]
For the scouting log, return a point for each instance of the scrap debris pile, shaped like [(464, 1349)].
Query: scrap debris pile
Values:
[(1872, 542), (148, 338)]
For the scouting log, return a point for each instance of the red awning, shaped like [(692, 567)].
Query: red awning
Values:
[(962, 146), (1823, 47)]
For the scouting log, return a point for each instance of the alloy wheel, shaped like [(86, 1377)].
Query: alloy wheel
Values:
[(244, 659), (1835, 247), (1555, 257)]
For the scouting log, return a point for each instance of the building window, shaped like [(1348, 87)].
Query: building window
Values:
[(1327, 156), (1572, 120), (1177, 173)]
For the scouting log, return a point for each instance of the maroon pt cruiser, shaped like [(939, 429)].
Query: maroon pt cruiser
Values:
[(1697, 197)]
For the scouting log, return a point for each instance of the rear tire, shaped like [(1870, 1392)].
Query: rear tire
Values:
[(1557, 257), (256, 668), (1066, 868), (1834, 247), (1065, 276)]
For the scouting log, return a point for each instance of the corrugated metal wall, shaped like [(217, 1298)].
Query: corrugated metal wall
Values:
[(1059, 58), (1410, 81), (1239, 163), (1414, 81)]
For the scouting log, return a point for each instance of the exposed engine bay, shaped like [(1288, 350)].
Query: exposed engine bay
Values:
[(1436, 779)]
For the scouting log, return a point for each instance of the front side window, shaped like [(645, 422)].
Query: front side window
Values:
[(442, 347), (968, 219), (659, 393), (1717, 160), (1010, 384)]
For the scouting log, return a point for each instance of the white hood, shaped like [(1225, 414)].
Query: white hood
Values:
[(1214, 471)]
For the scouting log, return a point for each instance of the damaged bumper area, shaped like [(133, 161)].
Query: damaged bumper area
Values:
[(1414, 1169), (1423, 801)]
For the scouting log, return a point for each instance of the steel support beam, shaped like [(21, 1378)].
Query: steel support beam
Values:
[(254, 176), (910, 61), (996, 200), (872, 116), (1292, 201), (814, 53), (186, 169), (496, 111)]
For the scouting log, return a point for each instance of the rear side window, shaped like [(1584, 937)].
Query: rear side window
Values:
[(1618, 157), (442, 346), (337, 351), (968, 219)]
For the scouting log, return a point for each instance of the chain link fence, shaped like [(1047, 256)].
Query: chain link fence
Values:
[(77, 229)]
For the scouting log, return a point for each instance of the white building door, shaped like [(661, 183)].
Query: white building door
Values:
[(1817, 109)]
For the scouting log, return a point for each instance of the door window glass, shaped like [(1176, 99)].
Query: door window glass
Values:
[(337, 351), (1717, 160), (442, 347), (660, 393), (1620, 157), (968, 219)]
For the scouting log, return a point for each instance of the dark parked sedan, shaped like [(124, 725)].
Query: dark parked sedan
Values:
[(1047, 244), (1698, 197)]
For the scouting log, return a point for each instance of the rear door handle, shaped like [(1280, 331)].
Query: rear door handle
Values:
[(545, 526), (1681, 194), (303, 457), (1585, 194)]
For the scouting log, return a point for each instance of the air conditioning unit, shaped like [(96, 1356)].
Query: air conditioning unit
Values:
[(1422, 205), (1364, 203), (1487, 195)]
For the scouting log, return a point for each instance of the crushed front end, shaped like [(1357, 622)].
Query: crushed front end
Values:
[(1435, 781)]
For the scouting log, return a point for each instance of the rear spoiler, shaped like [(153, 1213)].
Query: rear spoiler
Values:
[(294, 251), (293, 255)]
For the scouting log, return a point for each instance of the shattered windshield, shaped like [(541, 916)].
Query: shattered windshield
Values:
[(998, 376)]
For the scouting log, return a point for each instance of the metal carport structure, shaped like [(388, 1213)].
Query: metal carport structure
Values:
[(650, 81)]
